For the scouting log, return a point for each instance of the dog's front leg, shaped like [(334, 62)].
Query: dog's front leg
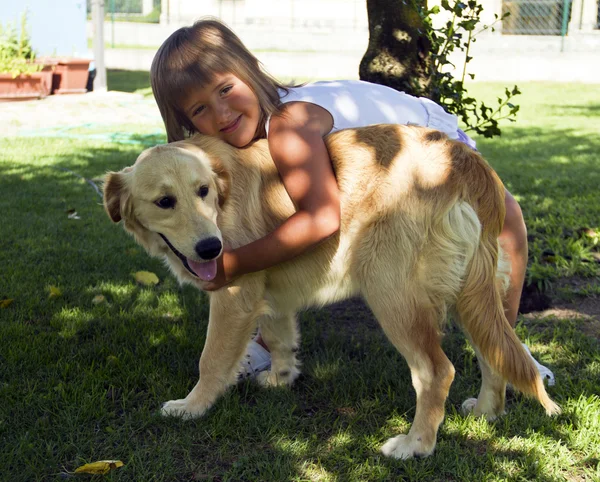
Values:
[(233, 314)]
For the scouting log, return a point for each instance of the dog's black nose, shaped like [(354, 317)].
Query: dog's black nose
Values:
[(208, 248)]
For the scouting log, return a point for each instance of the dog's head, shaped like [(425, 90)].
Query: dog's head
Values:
[(169, 200)]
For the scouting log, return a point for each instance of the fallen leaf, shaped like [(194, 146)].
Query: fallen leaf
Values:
[(55, 292), (101, 467), (146, 278), (6, 303), (98, 299)]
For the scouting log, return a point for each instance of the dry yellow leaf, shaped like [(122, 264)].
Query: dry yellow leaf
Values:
[(146, 278), (98, 299), (6, 303), (55, 291), (100, 467)]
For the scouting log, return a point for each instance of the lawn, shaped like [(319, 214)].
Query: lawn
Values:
[(87, 355)]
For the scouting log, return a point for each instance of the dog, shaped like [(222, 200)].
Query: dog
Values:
[(420, 219)]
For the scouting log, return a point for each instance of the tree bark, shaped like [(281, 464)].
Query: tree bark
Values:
[(398, 54)]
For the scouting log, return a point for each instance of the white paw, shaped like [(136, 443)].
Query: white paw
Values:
[(468, 406), (182, 408), (478, 409), (403, 447), (270, 378)]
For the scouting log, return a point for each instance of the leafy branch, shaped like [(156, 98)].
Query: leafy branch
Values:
[(458, 33)]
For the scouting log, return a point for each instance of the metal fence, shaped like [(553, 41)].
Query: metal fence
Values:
[(536, 17), (147, 11)]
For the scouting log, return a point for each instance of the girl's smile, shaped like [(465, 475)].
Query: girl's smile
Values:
[(233, 126), (226, 108)]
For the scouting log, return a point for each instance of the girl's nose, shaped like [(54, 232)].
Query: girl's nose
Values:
[(223, 113)]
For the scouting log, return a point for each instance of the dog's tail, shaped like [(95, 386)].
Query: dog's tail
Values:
[(479, 304)]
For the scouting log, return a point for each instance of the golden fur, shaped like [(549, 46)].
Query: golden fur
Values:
[(421, 215)]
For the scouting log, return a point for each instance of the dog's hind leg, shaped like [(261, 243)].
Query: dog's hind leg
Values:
[(280, 333), (412, 328), (490, 401), (232, 320)]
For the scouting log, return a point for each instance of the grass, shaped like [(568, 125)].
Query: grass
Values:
[(136, 81), (81, 382)]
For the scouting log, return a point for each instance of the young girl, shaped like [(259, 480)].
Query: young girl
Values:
[(205, 80)]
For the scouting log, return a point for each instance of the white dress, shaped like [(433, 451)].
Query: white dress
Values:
[(354, 103)]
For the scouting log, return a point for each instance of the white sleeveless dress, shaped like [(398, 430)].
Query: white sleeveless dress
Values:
[(354, 103)]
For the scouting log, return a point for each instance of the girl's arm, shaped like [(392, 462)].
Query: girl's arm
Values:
[(298, 150)]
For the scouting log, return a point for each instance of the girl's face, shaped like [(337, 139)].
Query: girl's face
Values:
[(226, 108)]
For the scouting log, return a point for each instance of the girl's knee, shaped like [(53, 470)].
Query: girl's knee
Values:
[(514, 224), (514, 215)]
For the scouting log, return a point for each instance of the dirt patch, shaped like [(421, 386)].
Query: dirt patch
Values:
[(587, 311), (344, 315)]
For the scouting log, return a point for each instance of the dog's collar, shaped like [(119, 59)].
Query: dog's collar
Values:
[(178, 254)]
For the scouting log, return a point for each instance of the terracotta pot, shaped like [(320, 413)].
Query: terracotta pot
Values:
[(70, 75), (25, 87)]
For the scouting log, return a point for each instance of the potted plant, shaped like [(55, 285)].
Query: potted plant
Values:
[(21, 76), (70, 75)]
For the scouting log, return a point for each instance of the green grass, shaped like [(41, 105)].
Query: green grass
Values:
[(81, 382), (135, 81)]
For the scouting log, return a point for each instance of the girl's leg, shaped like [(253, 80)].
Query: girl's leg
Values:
[(513, 239)]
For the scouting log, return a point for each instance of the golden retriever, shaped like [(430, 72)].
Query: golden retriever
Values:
[(420, 219)]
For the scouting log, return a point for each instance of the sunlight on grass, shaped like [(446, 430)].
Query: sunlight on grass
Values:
[(326, 371), (117, 292), (471, 428), (156, 339), (315, 472), (339, 440), (69, 321), (292, 447), (586, 413)]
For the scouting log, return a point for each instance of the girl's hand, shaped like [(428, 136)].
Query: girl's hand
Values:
[(221, 279)]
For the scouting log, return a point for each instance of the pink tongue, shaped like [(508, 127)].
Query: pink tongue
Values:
[(206, 271)]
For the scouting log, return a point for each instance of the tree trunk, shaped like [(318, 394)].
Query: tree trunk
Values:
[(398, 54)]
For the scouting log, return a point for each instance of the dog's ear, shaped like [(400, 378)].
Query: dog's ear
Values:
[(115, 193), (222, 180)]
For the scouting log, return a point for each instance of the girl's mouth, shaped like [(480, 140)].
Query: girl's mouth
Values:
[(233, 126)]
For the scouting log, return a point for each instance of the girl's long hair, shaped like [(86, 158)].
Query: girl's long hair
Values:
[(191, 57)]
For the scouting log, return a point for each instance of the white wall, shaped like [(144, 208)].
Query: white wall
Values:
[(56, 27)]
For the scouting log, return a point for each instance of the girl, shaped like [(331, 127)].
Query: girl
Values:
[(205, 80)]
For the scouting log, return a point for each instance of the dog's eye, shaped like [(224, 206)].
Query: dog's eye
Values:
[(166, 202), (203, 191)]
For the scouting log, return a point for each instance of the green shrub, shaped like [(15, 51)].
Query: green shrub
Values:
[(17, 56)]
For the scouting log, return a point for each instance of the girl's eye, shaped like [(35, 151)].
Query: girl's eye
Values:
[(166, 202), (199, 110), (227, 89), (203, 191)]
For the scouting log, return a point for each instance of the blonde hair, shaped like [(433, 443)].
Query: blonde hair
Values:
[(191, 57)]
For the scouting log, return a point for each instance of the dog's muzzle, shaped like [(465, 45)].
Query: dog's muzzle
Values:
[(207, 249)]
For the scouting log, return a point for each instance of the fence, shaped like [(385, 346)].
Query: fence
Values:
[(536, 17), (146, 11)]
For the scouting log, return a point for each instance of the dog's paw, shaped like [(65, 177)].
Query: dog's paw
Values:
[(471, 405), (468, 406), (182, 408), (404, 447), (271, 378)]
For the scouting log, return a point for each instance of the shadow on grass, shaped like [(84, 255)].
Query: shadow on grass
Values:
[(128, 80), (583, 110), (103, 370)]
